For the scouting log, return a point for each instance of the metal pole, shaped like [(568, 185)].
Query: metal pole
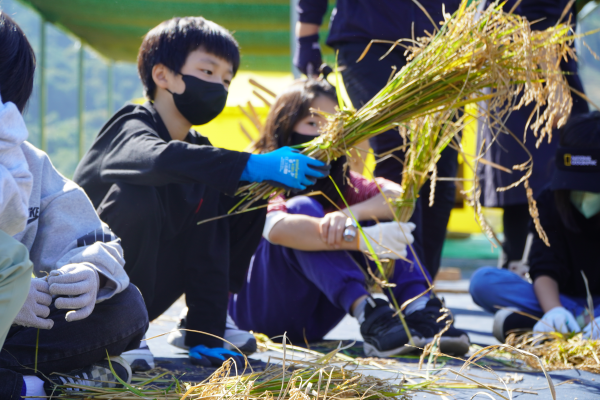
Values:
[(293, 20), (110, 101), (81, 106), (42, 72)]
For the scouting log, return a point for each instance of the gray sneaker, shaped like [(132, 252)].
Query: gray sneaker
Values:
[(96, 375), (243, 340)]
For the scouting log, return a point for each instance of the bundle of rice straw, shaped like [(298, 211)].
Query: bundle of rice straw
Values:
[(471, 53), (557, 351)]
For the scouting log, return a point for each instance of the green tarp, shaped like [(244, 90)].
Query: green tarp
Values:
[(115, 28)]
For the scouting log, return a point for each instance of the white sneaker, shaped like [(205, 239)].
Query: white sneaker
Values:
[(140, 359), (243, 340)]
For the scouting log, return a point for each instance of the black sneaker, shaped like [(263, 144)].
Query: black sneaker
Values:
[(96, 375), (427, 323), (507, 321), (383, 332)]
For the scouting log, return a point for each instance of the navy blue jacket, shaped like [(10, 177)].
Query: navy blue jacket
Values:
[(364, 20), (569, 252), (508, 152)]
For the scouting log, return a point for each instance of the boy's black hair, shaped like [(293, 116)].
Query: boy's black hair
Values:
[(580, 131), (173, 40), (17, 63)]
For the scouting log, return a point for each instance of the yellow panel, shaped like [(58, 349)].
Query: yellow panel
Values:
[(463, 219), (224, 131)]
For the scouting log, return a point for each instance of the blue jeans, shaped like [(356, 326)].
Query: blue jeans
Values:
[(307, 293), (492, 287), (116, 325)]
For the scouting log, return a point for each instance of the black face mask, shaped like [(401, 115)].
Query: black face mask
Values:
[(300, 138), (325, 185), (201, 100)]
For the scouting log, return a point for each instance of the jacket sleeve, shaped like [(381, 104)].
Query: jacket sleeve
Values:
[(70, 232), (143, 158), (312, 11), (15, 179)]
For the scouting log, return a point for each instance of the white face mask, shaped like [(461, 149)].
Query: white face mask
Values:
[(587, 203)]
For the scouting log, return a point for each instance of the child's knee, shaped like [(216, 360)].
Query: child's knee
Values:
[(306, 206), (136, 312), (482, 283)]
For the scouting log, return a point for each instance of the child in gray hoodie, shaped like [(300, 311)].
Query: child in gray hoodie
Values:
[(80, 302), (15, 188)]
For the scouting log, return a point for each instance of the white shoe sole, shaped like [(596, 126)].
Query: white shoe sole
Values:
[(498, 327), (139, 360), (247, 348), (372, 351), (125, 364)]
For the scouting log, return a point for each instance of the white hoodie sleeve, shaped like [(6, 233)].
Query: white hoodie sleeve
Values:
[(15, 179), (70, 232)]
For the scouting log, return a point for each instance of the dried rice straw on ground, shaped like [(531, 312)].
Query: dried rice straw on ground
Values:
[(303, 375), (471, 52), (557, 351)]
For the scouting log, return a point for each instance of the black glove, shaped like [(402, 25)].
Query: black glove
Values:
[(307, 57)]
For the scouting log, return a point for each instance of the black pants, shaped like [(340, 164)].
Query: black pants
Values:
[(363, 80), (166, 257), (516, 220), (116, 325)]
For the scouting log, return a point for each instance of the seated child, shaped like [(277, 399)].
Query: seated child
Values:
[(152, 179), (569, 212), (80, 306), (305, 276)]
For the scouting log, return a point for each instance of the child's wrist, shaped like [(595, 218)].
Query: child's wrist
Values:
[(252, 173)]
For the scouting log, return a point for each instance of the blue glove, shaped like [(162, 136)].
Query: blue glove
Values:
[(284, 167), (307, 57), (216, 356)]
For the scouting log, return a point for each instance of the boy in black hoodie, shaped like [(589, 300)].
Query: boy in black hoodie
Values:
[(153, 178)]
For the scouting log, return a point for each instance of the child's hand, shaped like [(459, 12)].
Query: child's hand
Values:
[(307, 57), (36, 310), (592, 330), (558, 319), (286, 168), (389, 239), (332, 227), (81, 284)]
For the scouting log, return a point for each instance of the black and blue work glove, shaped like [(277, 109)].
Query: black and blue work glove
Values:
[(215, 356), (307, 57), (285, 168)]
